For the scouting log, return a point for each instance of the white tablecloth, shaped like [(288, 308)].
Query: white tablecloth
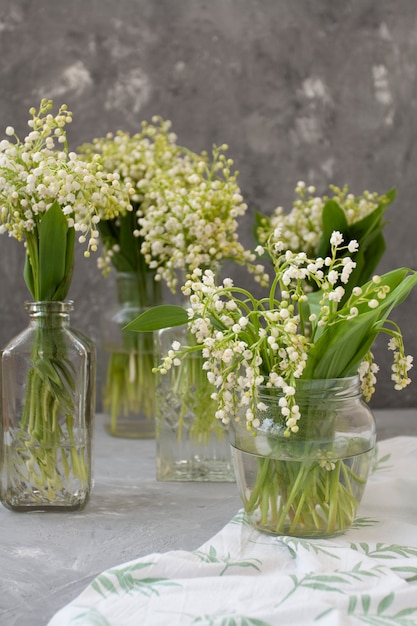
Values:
[(242, 577)]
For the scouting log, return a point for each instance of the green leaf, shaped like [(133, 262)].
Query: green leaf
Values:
[(352, 605), (407, 570), (366, 603), (129, 244), (30, 269), (119, 232), (322, 587), (163, 316), (405, 612), (91, 617), (52, 232), (367, 231), (385, 603), (333, 218), (62, 291), (341, 347), (104, 581), (28, 276)]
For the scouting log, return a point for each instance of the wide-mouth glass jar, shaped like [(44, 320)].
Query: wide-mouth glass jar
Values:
[(307, 483)]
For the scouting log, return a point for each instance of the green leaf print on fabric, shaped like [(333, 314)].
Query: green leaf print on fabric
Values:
[(90, 617), (211, 557), (384, 550), (363, 522), (332, 582), (228, 620), (378, 616), (379, 462), (240, 519), (390, 552), (407, 570), (121, 580), (293, 543)]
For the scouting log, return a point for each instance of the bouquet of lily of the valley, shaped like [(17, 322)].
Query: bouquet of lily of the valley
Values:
[(128, 392), (259, 347), (186, 208), (48, 198), (312, 219)]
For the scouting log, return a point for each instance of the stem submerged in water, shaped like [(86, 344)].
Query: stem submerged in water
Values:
[(303, 497), (46, 452)]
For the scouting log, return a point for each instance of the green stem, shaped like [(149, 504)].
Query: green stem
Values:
[(40, 440)]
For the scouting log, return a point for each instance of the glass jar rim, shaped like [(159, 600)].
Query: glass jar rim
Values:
[(338, 387), (49, 306)]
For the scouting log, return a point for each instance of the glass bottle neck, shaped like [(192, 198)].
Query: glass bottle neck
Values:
[(49, 313), (138, 289)]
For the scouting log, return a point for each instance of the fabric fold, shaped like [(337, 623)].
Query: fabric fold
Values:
[(241, 577)]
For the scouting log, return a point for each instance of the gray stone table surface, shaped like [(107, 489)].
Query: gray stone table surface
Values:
[(47, 559)]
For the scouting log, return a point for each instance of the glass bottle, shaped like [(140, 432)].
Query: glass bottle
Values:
[(48, 397), (128, 358), (307, 483), (191, 443)]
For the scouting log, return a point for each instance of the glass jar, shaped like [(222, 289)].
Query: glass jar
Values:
[(191, 443), (48, 397), (128, 393), (308, 483)]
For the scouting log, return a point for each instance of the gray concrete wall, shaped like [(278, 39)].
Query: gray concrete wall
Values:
[(318, 90)]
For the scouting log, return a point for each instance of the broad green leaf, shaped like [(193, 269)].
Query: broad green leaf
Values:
[(62, 291), (333, 218), (28, 276), (52, 230), (128, 242), (163, 316), (31, 263), (367, 259), (341, 347), (110, 236), (119, 231), (367, 231)]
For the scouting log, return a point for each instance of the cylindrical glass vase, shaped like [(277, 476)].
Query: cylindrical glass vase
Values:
[(308, 483), (191, 443), (48, 393), (128, 393)]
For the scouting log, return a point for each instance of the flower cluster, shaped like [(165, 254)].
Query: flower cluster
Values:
[(39, 170), (187, 204), (293, 333), (302, 228)]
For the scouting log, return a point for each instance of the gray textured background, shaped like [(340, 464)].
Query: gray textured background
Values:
[(323, 91)]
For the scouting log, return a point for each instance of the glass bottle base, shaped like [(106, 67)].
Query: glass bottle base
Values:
[(195, 470), (134, 428), (20, 504)]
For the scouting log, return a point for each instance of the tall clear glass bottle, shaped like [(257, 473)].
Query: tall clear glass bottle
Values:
[(191, 443), (128, 393), (48, 398)]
